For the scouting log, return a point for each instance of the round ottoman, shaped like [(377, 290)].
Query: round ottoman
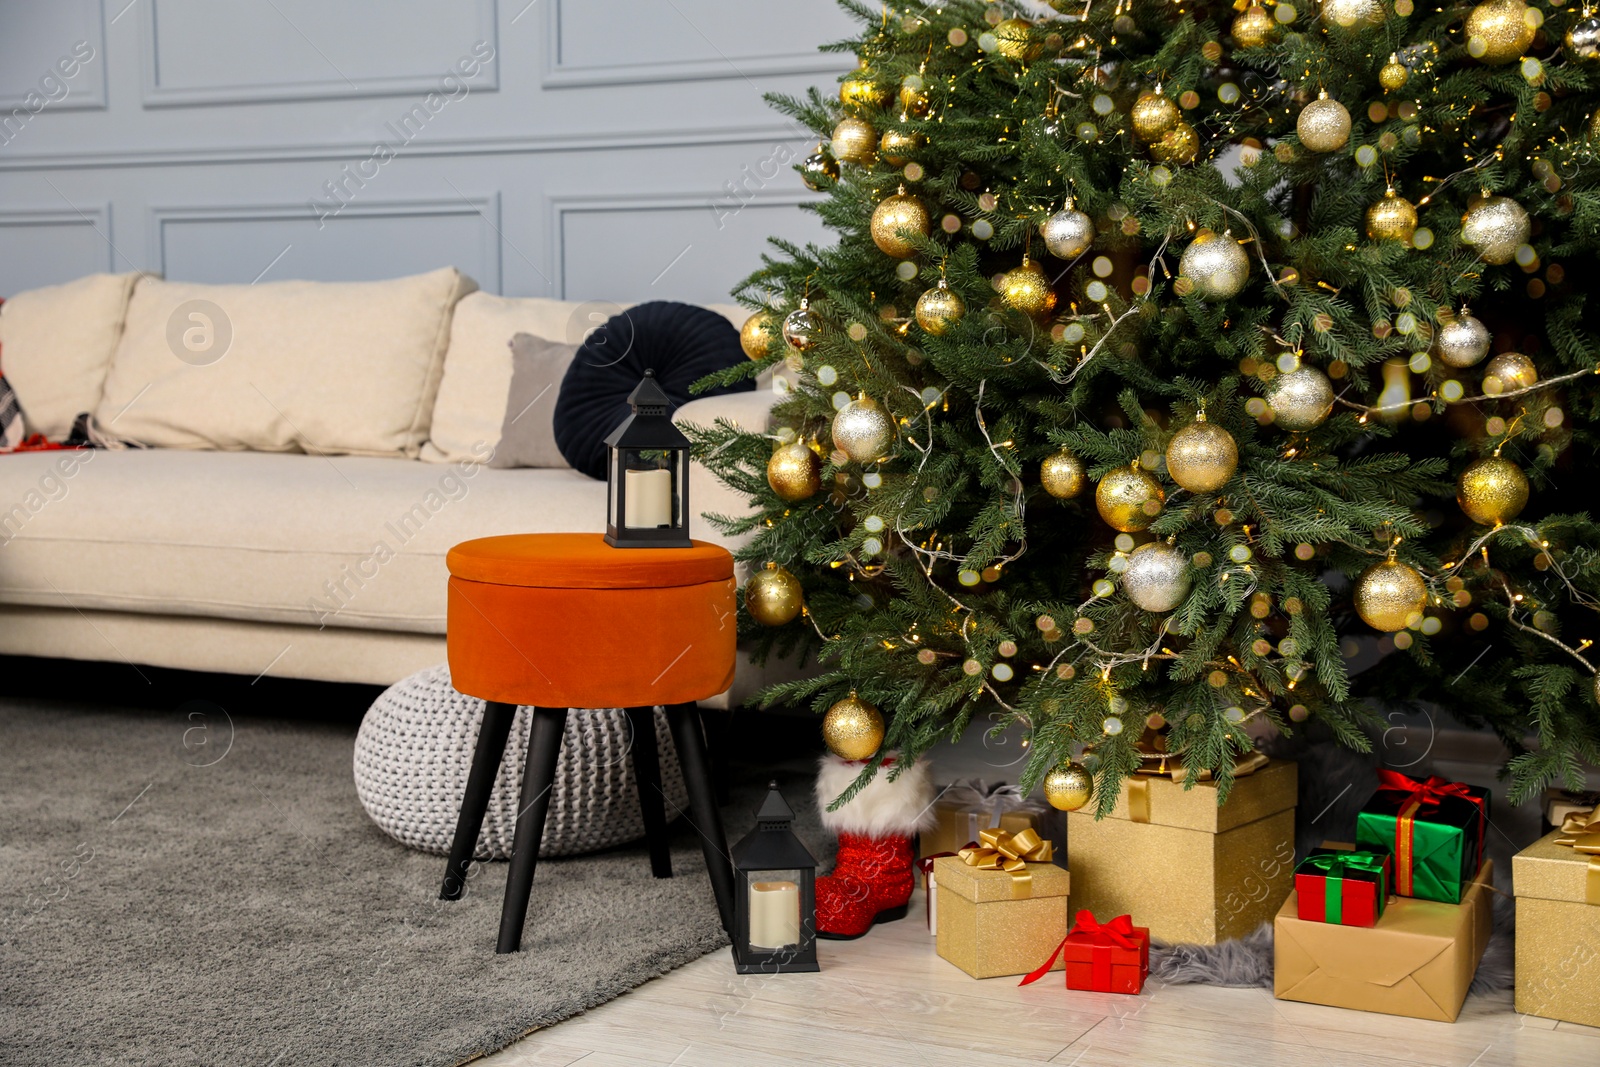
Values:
[(415, 747)]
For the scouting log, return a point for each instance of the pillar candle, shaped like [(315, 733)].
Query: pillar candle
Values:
[(774, 914), (649, 498)]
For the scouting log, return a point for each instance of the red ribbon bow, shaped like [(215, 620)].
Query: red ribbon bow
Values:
[(1118, 931), (1426, 793)]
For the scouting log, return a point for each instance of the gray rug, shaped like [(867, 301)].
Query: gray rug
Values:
[(179, 890)]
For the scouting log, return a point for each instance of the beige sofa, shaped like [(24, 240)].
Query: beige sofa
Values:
[(309, 479)]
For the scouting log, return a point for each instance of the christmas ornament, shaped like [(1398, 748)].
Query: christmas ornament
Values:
[(757, 334), (1393, 75), (1495, 226), (1508, 372), (1202, 456), (1216, 264), (1069, 788), (1583, 39), (773, 596), (1498, 31), (1153, 115), (819, 169), (802, 329), (914, 99), (854, 141), (1011, 37), (1253, 27), (1462, 342), (1300, 399), (852, 728), (1389, 595), (1026, 289), (1323, 125), (1492, 490), (1178, 145), (939, 309), (1157, 578), (794, 472), (861, 90), (1392, 219), (1348, 13), (1062, 475), (862, 430), (1129, 499), (896, 216), (896, 146), (1068, 233)]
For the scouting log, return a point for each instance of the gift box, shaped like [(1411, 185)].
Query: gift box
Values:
[(1557, 884), (1559, 803), (966, 808), (1194, 871), (1111, 957), (1002, 906), (1344, 886), (1435, 829), (1417, 961), (930, 892)]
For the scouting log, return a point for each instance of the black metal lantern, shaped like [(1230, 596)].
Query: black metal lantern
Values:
[(775, 903), (647, 499)]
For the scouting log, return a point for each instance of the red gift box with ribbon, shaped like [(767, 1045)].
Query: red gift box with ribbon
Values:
[(1110, 957)]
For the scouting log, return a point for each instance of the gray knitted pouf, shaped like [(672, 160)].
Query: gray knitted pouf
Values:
[(415, 747)]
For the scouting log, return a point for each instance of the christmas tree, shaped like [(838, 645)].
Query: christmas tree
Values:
[(1169, 354)]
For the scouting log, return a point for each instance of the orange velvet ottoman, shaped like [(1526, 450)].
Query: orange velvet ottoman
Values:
[(559, 621)]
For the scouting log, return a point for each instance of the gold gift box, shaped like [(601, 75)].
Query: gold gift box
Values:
[(1191, 871), (1558, 931), (987, 929), (1417, 961), (959, 824)]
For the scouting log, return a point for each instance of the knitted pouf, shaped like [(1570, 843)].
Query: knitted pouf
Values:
[(414, 750)]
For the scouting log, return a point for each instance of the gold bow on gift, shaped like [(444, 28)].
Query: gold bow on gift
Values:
[(1001, 851), (1580, 831)]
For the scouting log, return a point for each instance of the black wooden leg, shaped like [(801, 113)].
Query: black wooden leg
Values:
[(491, 747), (647, 773), (544, 748), (691, 745), (719, 725)]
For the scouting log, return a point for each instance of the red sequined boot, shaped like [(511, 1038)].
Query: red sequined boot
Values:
[(871, 881)]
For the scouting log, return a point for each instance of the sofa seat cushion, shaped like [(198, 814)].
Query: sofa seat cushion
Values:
[(342, 541)]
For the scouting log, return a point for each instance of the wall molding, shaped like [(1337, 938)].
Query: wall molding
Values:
[(96, 216), (95, 16), (156, 95)]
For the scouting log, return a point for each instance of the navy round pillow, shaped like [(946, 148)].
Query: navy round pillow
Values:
[(682, 343)]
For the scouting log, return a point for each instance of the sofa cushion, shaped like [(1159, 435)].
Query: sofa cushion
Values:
[(528, 436), (321, 367), (340, 541), (55, 346)]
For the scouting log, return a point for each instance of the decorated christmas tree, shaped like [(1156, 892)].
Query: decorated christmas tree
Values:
[(1172, 353)]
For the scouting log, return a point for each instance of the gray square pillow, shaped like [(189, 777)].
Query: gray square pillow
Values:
[(527, 436)]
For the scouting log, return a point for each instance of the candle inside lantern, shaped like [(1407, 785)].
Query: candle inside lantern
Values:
[(649, 498), (774, 914)]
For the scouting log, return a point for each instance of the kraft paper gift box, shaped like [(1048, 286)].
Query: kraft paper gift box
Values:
[(995, 922), (1417, 961), (1433, 826), (967, 807), (1557, 883), (1193, 872)]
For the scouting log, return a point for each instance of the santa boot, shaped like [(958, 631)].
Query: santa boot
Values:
[(871, 882)]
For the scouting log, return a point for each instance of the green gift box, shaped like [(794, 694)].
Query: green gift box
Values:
[(1435, 829)]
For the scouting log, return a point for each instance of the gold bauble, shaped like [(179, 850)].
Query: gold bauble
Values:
[(794, 472), (1153, 115), (893, 218), (1069, 788), (1301, 399), (1062, 475), (1389, 595), (862, 430), (1012, 40), (1492, 490), (1508, 372), (939, 309), (1178, 145), (1027, 289), (914, 99), (1496, 226), (773, 596), (896, 146), (819, 169), (1583, 39), (1347, 14), (1394, 74), (757, 334), (1215, 264), (1068, 233), (1129, 499), (853, 729), (854, 141), (802, 329), (1202, 456), (1498, 31), (1462, 342), (1157, 576), (1393, 218), (1253, 27), (861, 90), (1323, 125)]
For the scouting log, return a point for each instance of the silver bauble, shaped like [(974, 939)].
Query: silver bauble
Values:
[(862, 430), (1496, 227), (1216, 264), (1157, 577), (1462, 342), (1583, 40), (1300, 399), (801, 327), (1068, 233)]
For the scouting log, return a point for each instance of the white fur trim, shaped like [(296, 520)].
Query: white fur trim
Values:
[(882, 809)]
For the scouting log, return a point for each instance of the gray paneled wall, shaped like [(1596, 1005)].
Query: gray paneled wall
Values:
[(584, 149)]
